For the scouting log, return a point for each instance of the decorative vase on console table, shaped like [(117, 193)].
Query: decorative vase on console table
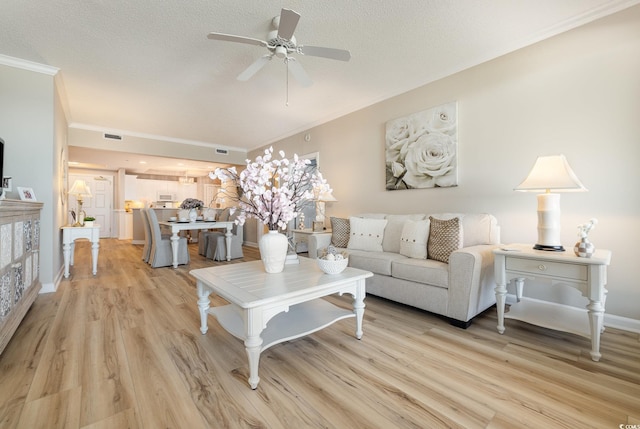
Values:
[(273, 251), (584, 248), (193, 215)]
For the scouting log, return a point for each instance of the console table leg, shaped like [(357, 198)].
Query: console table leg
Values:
[(596, 319), (519, 288), (501, 294), (66, 251), (94, 256)]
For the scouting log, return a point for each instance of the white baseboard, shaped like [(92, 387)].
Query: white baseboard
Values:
[(52, 287), (610, 320), (250, 244)]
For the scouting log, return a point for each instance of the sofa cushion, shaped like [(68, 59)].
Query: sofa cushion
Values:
[(366, 234), (339, 232), (479, 228), (376, 262), (445, 236), (393, 231), (413, 241), (426, 271)]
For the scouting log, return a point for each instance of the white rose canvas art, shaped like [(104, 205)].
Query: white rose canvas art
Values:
[(421, 149)]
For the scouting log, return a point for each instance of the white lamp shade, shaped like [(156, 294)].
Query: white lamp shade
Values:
[(80, 189), (551, 173), (326, 196)]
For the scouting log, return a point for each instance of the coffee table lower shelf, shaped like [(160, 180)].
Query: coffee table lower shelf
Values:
[(301, 319)]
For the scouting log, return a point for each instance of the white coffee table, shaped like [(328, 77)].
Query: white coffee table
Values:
[(288, 301)]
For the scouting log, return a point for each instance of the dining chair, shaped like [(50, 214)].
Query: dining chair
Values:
[(146, 251), (161, 252), (217, 245), (205, 236)]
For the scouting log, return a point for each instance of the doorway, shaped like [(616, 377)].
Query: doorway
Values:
[(100, 204)]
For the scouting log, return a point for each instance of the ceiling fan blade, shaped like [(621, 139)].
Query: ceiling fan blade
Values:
[(298, 72), (288, 23), (254, 67), (238, 39), (331, 53)]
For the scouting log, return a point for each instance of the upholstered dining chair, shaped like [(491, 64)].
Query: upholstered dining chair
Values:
[(161, 252), (217, 245), (204, 236), (146, 251)]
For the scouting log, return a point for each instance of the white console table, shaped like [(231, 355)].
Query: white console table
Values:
[(588, 275), (72, 233)]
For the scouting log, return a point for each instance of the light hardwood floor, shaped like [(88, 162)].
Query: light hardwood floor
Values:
[(123, 350)]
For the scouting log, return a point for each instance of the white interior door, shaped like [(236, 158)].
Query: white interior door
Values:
[(100, 204)]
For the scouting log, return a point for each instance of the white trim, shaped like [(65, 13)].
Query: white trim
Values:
[(124, 133), (610, 320), (28, 65)]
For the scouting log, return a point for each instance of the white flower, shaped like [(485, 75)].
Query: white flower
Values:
[(274, 190), (430, 162)]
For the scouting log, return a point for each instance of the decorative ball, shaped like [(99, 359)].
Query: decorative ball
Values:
[(330, 257), (333, 267)]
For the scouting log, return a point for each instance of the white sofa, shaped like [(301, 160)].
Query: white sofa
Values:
[(458, 290)]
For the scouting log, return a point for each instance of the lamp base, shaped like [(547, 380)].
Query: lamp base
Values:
[(549, 248)]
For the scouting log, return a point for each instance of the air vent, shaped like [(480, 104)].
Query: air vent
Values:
[(112, 136), (222, 151)]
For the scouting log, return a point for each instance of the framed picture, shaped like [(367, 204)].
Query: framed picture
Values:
[(26, 194), (421, 150), (6, 183)]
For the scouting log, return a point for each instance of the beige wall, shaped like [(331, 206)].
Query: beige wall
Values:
[(577, 94)]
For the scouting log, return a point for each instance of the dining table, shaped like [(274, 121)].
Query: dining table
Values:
[(177, 226)]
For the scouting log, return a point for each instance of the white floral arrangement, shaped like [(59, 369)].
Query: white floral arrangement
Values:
[(274, 191), (191, 203), (583, 230)]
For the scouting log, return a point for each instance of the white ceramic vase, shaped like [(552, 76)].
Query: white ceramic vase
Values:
[(193, 215), (273, 251)]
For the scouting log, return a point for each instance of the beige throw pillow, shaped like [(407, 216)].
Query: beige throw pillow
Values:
[(445, 236), (340, 232), (366, 234), (413, 241)]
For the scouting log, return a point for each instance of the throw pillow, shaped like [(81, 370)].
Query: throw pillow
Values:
[(366, 234), (445, 236), (339, 232), (413, 241)]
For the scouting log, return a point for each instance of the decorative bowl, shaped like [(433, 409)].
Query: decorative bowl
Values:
[(333, 267)]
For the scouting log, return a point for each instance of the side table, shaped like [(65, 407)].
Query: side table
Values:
[(72, 233), (301, 238), (588, 275)]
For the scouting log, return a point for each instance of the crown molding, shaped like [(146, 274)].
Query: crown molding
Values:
[(28, 65)]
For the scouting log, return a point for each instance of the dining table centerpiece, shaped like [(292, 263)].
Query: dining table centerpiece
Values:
[(273, 191), (193, 205)]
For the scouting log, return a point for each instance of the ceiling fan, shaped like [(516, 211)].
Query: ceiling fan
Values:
[(282, 43)]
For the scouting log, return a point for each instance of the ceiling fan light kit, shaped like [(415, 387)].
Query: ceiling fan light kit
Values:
[(282, 43)]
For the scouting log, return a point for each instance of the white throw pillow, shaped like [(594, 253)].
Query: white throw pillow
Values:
[(413, 242), (366, 234)]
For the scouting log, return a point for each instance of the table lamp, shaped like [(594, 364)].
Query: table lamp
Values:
[(550, 173), (80, 190), (320, 200)]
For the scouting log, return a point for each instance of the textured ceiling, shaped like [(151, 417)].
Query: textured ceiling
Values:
[(147, 67)]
